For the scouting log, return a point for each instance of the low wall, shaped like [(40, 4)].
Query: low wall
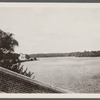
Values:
[(12, 82)]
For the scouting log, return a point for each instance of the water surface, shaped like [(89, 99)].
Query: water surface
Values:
[(77, 74)]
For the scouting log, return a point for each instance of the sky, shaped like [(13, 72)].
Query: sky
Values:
[(52, 28)]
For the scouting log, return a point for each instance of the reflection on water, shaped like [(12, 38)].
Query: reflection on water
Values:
[(71, 73)]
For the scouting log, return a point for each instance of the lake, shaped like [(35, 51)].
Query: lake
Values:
[(76, 74)]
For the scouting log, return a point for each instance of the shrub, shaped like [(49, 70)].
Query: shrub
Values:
[(8, 64)]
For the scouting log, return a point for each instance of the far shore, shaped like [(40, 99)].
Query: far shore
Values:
[(71, 54)]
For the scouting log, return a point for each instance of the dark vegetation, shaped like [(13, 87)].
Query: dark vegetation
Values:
[(71, 54), (9, 59)]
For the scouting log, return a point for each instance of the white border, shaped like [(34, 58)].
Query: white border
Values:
[(32, 95), (67, 5)]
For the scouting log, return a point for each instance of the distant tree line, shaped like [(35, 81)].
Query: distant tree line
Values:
[(71, 54), (85, 54)]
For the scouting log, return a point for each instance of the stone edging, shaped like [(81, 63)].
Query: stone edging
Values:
[(34, 82)]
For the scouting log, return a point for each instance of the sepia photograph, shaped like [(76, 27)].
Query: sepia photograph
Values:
[(50, 48)]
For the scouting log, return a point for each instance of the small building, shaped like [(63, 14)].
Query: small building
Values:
[(22, 57)]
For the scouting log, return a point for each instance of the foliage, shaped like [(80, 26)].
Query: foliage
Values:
[(17, 67), (7, 42), (71, 54), (9, 59)]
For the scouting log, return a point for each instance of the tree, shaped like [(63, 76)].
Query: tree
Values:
[(7, 42), (9, 59)]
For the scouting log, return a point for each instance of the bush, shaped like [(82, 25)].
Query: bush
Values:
[(8, 64)]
